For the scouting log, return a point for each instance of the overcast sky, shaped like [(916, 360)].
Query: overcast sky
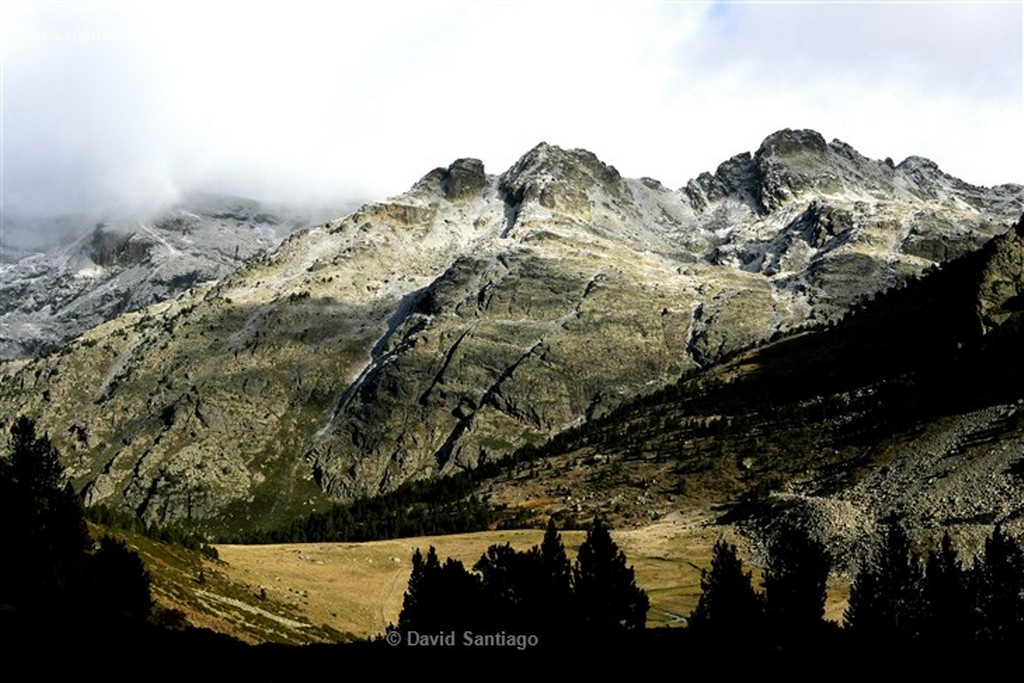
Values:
[(108, 103)]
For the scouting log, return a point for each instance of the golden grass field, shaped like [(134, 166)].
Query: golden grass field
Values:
[(357, 588)]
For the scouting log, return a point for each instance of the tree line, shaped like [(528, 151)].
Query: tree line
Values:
[(896, 597), (423, 508), (171, 535), (535, 593)]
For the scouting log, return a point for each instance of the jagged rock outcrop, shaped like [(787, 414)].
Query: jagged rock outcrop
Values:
[(474, 314)]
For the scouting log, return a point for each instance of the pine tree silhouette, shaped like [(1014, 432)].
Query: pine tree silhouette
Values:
[(1000, 585), (949, 611), (728, 606), (507, 579), (886, 599), (418, 601), (122, 582), (48, 544), (441, 596), (554, 590), (606, 593), (795, 584)]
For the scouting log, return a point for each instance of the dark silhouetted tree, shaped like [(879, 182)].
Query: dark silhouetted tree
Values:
[(949, 601), (605, 590), (34, 462), (728, 606), (122, 582), (47, 542), (536, 591), (508, 580), (417, 599), (1000, 582), (440, 596), (795, 584), (886, 598), (529, 590), (554, 580), (50, 566)]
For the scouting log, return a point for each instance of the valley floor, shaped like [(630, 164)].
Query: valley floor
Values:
[(357, 588)]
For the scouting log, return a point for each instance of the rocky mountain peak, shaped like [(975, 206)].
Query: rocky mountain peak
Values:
[(789, 143), (787, 165), (916, 164), (925, 176), (792, 162), (557, 178), (463, 179), (736, 177)]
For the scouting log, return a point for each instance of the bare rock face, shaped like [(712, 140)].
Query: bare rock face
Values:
[(790, 162), (1001, 290), (107, 248), (464, 179), (474, 314)]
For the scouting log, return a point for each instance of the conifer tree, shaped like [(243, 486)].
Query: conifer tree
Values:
[(529, 590), (795, 583), (548, 586), (122, 582), (47, 541), (949, 614), (728, 606), (50, 567), (1000, 585), (605, 590), (34, 462), (419, 600), (886, 599), (507, 578), (555, 574), (440, 596)]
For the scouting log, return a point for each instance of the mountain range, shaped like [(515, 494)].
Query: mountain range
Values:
[(476, 314), (50, 294)]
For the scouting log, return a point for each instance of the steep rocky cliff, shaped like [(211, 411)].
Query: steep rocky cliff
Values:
[(474, 314)]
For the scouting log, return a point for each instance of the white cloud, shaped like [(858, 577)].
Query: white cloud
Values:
[(118, 101)]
